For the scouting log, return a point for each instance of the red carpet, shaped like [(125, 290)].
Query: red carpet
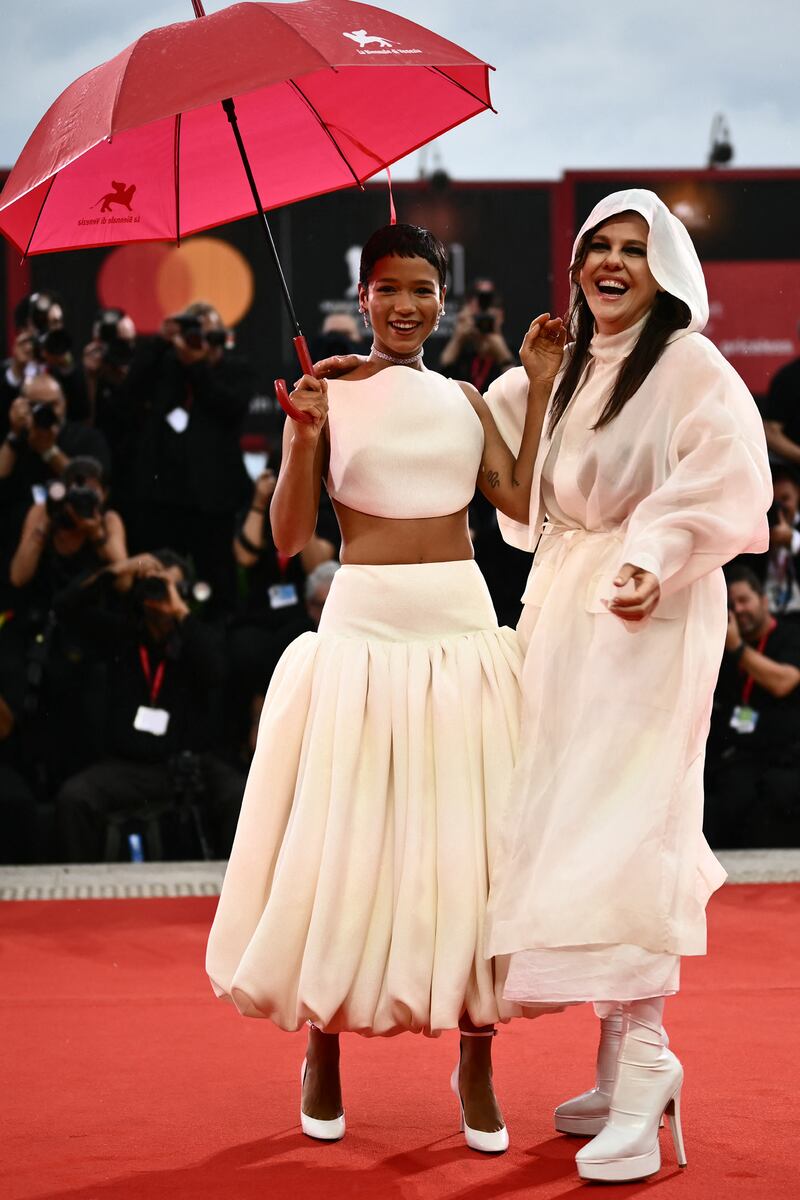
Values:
[(123, 1079)]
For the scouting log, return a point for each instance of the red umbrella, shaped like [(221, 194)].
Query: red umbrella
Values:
[(323, 93)]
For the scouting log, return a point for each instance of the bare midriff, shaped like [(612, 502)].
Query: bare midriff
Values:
[(386, 541)]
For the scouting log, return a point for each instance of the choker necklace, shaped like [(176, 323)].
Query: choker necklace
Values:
[(398, 362)]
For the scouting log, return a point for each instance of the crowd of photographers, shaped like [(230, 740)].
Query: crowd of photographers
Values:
[(143, 605)]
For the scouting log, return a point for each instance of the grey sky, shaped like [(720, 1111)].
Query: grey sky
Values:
[(630, 83)]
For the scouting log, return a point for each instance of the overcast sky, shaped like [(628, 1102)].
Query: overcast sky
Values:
[(629, 83)]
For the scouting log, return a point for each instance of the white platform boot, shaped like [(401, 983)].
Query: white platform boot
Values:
[(585, 1115), (647, 1086)]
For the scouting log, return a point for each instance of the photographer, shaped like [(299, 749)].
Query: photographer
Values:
[(193, 392), (42, 344), (37, 450), (271, 612), (780, 566), (477, 352), (753, 759), (163, 666), (70, 536), (106, 369)]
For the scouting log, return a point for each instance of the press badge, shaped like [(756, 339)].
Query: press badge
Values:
[(282, 595), (744, 719), (178, 419), (151, 720)]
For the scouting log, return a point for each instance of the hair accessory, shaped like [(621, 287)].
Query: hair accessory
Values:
[(398, 362)]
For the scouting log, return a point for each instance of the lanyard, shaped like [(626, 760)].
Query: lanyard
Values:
[(749, 683), (480, 369), (154, 683), (283, 563)]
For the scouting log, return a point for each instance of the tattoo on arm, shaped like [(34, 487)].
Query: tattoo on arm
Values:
[(493, 478)]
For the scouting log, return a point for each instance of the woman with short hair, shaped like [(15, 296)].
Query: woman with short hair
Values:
[(357, 885)]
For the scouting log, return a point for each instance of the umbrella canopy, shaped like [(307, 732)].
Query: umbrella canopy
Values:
[(327, 93)]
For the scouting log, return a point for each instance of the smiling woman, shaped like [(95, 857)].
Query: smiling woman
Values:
[(356, 891), (652, 473)]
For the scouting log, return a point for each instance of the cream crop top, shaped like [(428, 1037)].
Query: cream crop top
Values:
[(404, 444)]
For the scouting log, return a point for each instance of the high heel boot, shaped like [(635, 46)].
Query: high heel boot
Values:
[(647, 1086), (586, 1114)]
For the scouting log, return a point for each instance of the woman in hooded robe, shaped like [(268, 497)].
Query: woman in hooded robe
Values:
[(651, 473)]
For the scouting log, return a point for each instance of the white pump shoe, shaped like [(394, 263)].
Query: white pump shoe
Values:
[(323, 1131), (488, 1142)]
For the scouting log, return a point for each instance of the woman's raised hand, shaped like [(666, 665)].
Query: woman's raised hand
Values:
[(543, 348), (310, 395)]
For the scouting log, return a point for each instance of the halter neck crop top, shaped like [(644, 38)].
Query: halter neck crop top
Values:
[(404, 444)]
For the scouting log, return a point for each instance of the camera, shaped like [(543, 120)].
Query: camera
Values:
[(55, 342), (39, 305), (485, 321), (117, 351), (195, 336), (44, 416), (82, 499), (154, 588)]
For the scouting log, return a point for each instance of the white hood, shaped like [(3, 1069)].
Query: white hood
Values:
[(671, 255)]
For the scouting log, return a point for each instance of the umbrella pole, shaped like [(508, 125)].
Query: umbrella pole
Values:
[(299, 340), (300, 344)]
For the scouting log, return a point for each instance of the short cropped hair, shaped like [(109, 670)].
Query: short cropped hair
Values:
[(406, 241)]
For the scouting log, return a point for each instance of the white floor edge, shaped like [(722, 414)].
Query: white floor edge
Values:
[(108, 881)]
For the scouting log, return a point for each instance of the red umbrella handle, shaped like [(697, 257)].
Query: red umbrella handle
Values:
[(282, 391)]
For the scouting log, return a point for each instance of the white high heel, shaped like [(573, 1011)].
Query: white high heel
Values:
[(647, 1087), (585, 1115), (494, 1142), (323, 1131)]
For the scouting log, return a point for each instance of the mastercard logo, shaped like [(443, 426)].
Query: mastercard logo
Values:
[(151, 281)]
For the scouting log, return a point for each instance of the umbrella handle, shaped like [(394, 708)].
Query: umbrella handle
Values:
[(282, 391)]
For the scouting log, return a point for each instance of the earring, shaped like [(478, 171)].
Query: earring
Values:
[(439, 316), (365, 315)]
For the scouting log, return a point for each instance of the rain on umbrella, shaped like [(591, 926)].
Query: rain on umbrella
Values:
[(320, 95)]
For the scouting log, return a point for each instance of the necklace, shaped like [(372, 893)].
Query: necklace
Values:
[(398, 362)]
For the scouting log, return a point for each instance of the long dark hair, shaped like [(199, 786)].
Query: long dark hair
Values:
[(666, 316)]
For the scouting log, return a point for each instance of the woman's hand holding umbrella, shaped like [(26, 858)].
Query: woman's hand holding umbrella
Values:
[(309, 399)]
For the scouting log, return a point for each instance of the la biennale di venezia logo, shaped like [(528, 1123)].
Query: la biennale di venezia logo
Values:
[(368, 43), (118, 203)]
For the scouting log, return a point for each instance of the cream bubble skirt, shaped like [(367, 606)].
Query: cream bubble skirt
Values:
[(357, 885)]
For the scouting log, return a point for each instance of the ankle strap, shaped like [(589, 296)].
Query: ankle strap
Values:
[(484, 1033)]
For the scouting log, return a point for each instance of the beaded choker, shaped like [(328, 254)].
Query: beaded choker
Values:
[(398, 362)]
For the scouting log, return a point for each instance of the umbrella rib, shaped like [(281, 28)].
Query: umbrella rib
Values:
[(177, 169), (455, 83), (325, 128), (38, 217)]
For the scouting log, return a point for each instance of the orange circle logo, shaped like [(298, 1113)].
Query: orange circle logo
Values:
[(151, 280)]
